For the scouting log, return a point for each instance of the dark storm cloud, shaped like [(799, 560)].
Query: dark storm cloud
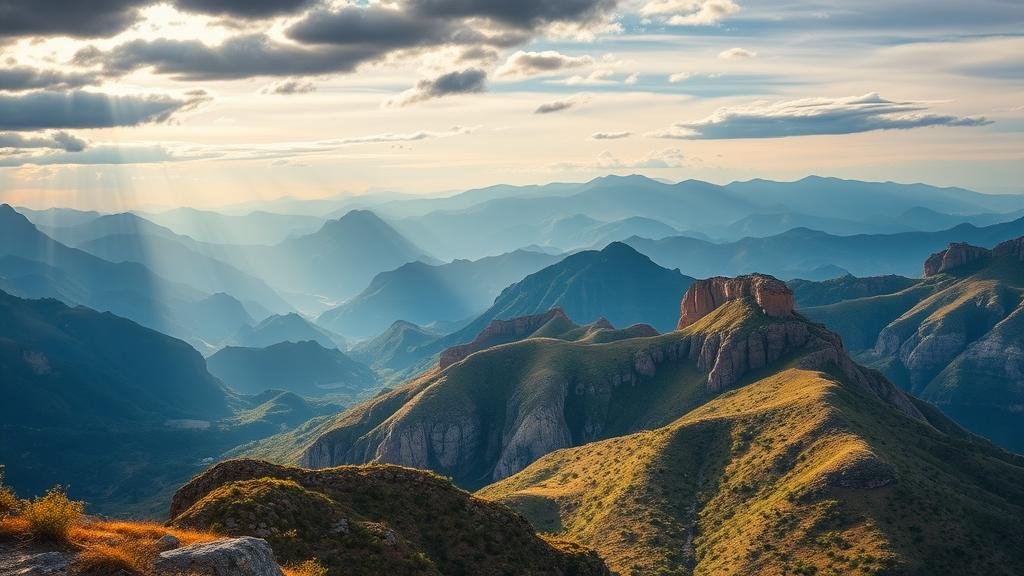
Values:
[(467, 81), (518, 13), (45, 110), (243, 8), (77, 18)]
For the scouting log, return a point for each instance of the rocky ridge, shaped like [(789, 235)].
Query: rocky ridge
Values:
[(772, 295), (501, 331)]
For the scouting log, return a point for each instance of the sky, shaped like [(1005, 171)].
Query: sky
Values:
[(120, 104)]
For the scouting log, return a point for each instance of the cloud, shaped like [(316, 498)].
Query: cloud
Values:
[(737, 54), (610, 135), (523, 63), (242, 8), (560, 105), (104, 154), (690, 12), (19, 78), (43, 110), (289, 86), (679, 77), (658, 159), (54, 140), (600, 76), (468, 81), (523, 14), (76, 18), (631, 79), (813, 116)]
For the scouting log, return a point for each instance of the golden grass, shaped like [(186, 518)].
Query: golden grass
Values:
[(310, 567)]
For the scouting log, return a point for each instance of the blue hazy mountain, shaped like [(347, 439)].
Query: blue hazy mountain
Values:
[(255, 227), (794, 253), (284, 328), (304, 368), (423, 293)]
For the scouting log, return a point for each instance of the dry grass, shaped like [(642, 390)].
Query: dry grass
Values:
[(310, 567), (104, 547)]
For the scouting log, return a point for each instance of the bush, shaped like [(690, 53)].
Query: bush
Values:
[(8, 500), (53, 515), (128, 556), (308, 568)]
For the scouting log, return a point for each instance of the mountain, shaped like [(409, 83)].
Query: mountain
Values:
[(819, 293), (50, 217), (284, 328), (122, 224), (794, 253), (76, 366), (617, 283), (396, 348), (255, 227), (179, 263), (421, 293), (951, 338), (371, 520), (761, 225), (33, 265), (304, 368), (337, 261), (856, 200)]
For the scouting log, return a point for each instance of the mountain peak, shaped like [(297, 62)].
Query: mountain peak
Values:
[(704, 296), (959, 254), (501, 331)]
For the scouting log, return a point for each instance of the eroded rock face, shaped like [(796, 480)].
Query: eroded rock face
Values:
[(499, 331), (245, 556), (14, 563), (955, 255), (704, 296)]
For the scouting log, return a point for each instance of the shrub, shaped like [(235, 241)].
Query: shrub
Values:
[(310, 567), (52, 515), (127, 556), (8, 500)]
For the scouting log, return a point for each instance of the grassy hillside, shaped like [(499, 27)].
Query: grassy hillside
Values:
[(951, 339), (371, 520), (795, 472), (808, 293)]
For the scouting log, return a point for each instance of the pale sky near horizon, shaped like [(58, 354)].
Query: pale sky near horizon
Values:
[(124, 103)]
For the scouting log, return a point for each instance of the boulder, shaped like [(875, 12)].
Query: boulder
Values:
[(42, 564), (167, 542), (245, 556)]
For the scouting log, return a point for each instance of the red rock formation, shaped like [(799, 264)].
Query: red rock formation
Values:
[(955, 255), (500, 332), (771, 294), (1013, 248)]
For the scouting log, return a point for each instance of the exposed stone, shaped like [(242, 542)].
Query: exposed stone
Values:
[(500, 331), (167, 542), (245, 556), (42, 564), (704, 296), (955, 255)]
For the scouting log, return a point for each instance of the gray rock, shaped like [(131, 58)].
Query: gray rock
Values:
[(245, 556), (167, 542), (43, 564)]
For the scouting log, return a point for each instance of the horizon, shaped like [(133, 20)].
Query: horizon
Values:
[(208, 103)]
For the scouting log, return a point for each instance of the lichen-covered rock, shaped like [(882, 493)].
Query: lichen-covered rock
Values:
[(704, 296), (245, 556)]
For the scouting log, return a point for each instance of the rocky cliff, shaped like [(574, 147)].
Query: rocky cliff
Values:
[(500, 332), (492, 414), (771, 294), (955, 255)]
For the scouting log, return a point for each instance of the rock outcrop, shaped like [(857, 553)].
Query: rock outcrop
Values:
[(14, 563), (957, 254), (704, 296), (245, 556), (500, 332)]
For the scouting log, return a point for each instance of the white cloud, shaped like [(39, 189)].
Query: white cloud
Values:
[(737, 54), (610, 135), (679, 77), (599, 76), (690, 12), (658, 159), (812, 116), (564, 104)]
